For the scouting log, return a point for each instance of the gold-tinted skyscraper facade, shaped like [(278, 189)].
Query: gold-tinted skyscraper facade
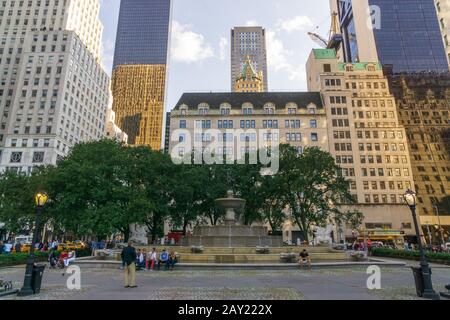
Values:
[(140, 70), (139, 102)]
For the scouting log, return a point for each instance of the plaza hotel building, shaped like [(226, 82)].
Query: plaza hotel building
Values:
[(348, 111), (53, 89)]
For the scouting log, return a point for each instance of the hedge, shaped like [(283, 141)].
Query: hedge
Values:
[(21, 258), (439, 257)]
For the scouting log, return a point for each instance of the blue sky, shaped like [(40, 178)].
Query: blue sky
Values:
[(200, 52)]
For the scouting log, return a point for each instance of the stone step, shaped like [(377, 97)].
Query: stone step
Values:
[(235, 258), (98, 264), (244, 250), (233, 240)]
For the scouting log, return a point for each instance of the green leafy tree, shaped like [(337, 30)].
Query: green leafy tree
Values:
[(246, 183), (152, 180), (16, 201), (185, 207), (315, 189), (273, 205), (91, 192)]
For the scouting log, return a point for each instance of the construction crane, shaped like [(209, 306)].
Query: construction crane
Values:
[(335, 38)]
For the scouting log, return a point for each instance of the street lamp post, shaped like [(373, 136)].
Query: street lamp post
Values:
[(429, 293), (27, 290)]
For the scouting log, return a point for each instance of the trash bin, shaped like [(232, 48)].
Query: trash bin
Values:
[(36, 278), (418, 278)]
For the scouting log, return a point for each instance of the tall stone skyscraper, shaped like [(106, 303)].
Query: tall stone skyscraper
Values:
[(140, 69), (248, 43), (405, 36), (53, 90)]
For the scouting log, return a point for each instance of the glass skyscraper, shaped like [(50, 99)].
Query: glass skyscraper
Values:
[(143, 32), (140, 69), (409, 38)]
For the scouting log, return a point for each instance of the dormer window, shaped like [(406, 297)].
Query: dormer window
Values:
[(370, 67), (349, 68), (225, 111), (247, 110), (203, 111), (312, 109), (269, 110)]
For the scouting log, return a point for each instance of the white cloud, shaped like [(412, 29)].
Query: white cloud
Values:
[(188, 46), (107, 54), (223, 46), (297, 23), (278, 58), (252, 23)]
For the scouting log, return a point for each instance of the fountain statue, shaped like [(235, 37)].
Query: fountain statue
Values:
[(322, 235)]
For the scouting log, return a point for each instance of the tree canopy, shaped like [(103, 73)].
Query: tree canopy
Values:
[(102, 187)]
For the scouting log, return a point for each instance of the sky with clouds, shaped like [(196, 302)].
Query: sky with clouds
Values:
[(200, 42)]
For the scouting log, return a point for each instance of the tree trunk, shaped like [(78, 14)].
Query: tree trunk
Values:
[(185, 227), (126, 235)]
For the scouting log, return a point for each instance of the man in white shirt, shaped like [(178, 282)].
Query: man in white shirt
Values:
[(8, 247), (71, 257)]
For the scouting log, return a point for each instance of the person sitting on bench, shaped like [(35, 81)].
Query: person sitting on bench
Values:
[(172, 259), (164, 259), (305, 259)]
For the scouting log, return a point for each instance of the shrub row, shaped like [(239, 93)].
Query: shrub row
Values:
[(21, 258), (439, 257)]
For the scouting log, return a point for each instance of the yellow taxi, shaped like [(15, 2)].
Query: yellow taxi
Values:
[(69, 245), (24, 248)]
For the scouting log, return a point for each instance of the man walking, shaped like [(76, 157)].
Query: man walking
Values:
[(129, 258)]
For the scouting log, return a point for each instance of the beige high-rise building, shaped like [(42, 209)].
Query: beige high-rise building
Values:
[(443, 12), (365, 136), (53, 90), (248, 42), (21, 20)]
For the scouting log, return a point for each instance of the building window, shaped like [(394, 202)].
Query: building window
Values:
[(313, 123), (314, 137), (182, 124), (38, 157), (16, 157)]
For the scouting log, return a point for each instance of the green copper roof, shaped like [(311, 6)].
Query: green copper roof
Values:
[(245, 69), (359, 66), (324, 53)]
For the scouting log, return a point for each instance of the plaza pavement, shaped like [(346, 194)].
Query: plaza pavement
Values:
[(317, 284)]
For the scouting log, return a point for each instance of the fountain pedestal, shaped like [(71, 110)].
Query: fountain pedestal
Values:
[(230, 234)]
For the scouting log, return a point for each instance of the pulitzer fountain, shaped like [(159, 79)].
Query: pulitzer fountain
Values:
[(231, 234)]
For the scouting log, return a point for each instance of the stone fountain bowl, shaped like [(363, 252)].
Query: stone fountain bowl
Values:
[(230, 203)]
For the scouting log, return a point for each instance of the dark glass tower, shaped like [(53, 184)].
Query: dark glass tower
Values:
[(140, 70), (409, 38), (143, 32)]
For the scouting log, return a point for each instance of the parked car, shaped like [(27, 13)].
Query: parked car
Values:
[(72, 245), (22, 239)]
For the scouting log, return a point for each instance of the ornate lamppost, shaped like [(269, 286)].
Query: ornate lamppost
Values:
[(425, 271), (27, 290)]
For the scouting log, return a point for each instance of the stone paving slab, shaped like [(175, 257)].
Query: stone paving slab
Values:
[(322, 284)]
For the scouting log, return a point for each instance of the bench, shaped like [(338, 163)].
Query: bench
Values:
[(197, 249), (288, 257), (263, 250)]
